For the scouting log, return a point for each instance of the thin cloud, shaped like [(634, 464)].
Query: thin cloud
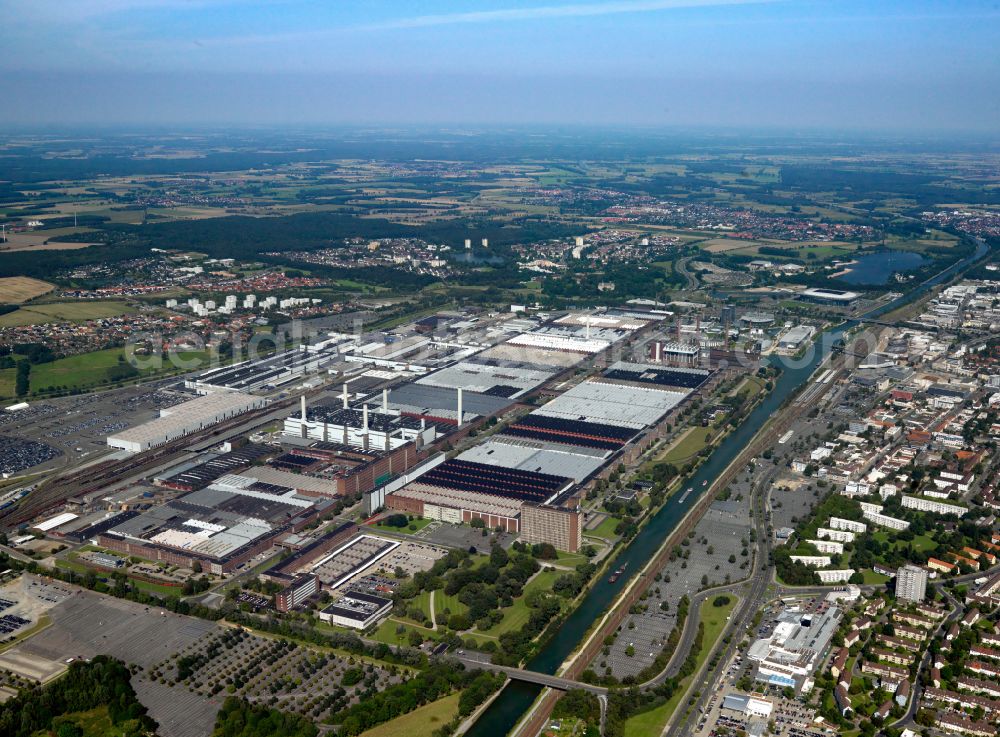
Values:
[(544, 12)]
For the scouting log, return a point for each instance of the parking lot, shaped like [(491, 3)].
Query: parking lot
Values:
[(713, 552), (19, 454), (462, 536), (78, 426)]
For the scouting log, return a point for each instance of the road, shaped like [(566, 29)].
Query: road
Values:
[(707, 682), (529, 676), (915, 692)]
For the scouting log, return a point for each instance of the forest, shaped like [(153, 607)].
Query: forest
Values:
[(103, 681)]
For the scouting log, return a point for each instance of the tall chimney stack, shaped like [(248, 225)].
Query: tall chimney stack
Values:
[(303, 407), (458, 422), (345, 396), (385, 401)]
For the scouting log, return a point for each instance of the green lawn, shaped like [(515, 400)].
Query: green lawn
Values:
[(606, 529), (93, 723), (516, 616), (920, 543), (420, 722), (386, 632), (442, 601), (752, 385), (417, 525), (687, 446), (873, 578), (86, 370), (575, 559)]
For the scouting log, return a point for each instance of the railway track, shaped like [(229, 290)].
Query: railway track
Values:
[(56, 490)]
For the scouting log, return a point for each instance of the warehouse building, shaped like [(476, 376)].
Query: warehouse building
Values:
[(218, 528), (345, 562), (459, 491), (265, 373), (191, 476), (531, 454), (304, 556), (796, 337), (185, 418), (439, 404), (357, 610), (618, 405), (508, 381)]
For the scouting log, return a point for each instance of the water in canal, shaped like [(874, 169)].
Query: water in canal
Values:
[(518, 696)]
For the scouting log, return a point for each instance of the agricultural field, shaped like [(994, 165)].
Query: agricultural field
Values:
[(19, 289), (64, 312), (84, 371), (44, 240)]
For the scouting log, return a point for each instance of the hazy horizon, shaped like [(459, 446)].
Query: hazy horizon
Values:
[(916, 67)]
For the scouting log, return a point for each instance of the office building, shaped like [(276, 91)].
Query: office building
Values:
[(560, 526)]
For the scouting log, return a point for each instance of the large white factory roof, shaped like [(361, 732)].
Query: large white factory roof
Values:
[(184, 418), (560, 342), (613, 404), (530, 455), (298, 481), (479, 377), (57, 521)]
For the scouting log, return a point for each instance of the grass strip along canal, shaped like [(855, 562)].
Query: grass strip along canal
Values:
[(517, 697)]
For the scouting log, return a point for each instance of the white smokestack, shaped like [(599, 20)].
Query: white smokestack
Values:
[(658, 346), (459, 419), (303, 407), (345, 396), (364, 419), (385, 401)]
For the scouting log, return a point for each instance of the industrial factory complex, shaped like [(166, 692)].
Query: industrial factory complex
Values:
[(502, 425)]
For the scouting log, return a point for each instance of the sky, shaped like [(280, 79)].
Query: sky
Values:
[(910, 66)]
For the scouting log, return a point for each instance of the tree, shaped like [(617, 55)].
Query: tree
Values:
[(21, 381)]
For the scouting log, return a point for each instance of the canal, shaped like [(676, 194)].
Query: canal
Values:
[(504, 713)]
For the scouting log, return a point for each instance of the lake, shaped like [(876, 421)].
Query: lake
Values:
[(878, 268)]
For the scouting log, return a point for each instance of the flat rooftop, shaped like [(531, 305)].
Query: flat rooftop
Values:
[(614, 404)]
